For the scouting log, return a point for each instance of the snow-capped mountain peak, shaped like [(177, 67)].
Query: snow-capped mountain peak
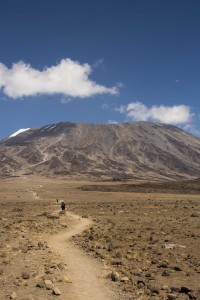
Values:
[(19, 131)]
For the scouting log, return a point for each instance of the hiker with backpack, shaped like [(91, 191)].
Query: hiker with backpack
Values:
[(62, 205)]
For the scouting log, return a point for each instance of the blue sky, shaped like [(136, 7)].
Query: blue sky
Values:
[(99, 62)]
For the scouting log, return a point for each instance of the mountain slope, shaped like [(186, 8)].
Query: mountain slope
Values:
[(127, 150)]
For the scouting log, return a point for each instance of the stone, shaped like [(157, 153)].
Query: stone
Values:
[(165, 287), (192, 295), (140, 280), (40, 284), (25, 275), (154, 261), (124, 279), (177, 268), (194, 215), (175, 289), (40, 244), (165, 273), (13, 295), (153, 289), (171, 296), (114, 276), (137, 272), (163, 265), (56, 291), (48, 284), (67, 279), (185, 289)]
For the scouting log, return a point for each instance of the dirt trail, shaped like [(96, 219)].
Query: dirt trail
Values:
[(85, 273)]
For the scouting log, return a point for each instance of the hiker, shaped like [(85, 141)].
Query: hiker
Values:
[(62, 205), (57, 201)]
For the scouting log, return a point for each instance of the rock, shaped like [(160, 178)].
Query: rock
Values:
[(175, 289), (137, 272), (192, 296), (165, 287), (141, 282), (165, 273), (67, 279), (56, 291), (171, 296), (40, 284), (13, 295), (194, 215), (114, 276), (61, 266), (185, 289), (48, 284), (163, 265), (154, 261), (25, 275), (183, 297), (153, 289), (124, 279), (91, 237), (40, 244), (177, 268)]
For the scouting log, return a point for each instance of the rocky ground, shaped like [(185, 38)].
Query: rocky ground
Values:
[(148, 242), (29, 269)]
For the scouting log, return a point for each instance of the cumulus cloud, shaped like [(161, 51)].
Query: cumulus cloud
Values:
[(112, 122), (176, 115), (68, 77), (191, 128)]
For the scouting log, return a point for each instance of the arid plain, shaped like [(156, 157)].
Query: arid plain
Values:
[(136, 244)]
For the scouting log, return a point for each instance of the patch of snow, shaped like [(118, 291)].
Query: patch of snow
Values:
[(52, 127), (18, 132), (46, 128)]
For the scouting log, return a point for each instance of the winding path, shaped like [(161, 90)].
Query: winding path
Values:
[(85, 272)]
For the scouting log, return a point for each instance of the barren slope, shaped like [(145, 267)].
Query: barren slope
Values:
[(130, 150)]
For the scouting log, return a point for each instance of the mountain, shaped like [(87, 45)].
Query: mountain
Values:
[(140, 150)]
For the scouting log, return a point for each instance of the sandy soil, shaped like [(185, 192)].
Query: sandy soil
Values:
[(138, 246)]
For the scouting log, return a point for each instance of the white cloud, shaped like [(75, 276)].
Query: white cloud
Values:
[(176, 115), (65, 100), (191, 128), (112, 122), (121, 109), (105, 106), (68, 77)]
